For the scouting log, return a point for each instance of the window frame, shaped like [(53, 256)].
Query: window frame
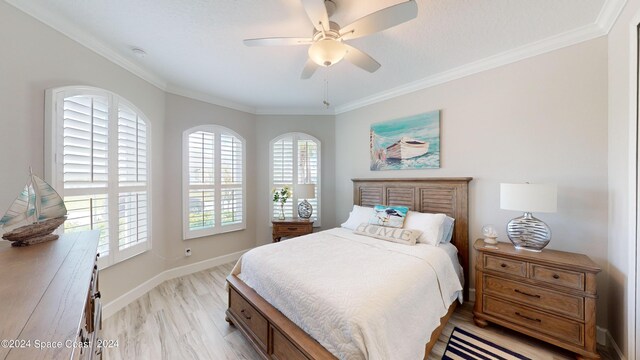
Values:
[(296, 137), (54, 165), (218, 228)]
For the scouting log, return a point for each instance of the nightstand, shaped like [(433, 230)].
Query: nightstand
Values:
[(549, 295), (291, 228)]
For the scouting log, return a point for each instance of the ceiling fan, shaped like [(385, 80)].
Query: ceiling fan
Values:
[(327, 46)]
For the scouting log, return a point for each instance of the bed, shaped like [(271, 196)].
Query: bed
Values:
[(321, 299)]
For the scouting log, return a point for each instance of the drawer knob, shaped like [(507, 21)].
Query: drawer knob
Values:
[(244, 313), (528, 318), (556, 276), (527, 294), (503, 265)]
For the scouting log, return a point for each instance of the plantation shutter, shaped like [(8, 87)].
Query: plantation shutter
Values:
[(132, 176), (231, 168), (99, 163), (214, 188), (308, 170), (85, 125), (201, 146), (282, 172)]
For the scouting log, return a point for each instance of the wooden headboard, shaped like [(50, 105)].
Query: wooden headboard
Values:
[(432, 195)]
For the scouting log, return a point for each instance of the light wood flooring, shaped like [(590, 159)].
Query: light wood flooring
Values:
[(184, 319)]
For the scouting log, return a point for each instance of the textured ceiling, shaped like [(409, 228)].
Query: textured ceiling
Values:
[(196, 45)]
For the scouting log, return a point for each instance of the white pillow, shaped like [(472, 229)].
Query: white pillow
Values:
[(447, 230), (357, 216), (431, 226)]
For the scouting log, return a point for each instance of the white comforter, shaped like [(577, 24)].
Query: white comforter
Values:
[(360, 297)]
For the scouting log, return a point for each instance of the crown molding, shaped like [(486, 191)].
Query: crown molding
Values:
[(552, 43), (295, 111), (603, 24), (83, 38), (204, 97), (609, 13)]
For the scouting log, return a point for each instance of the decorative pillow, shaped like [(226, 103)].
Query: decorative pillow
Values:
[(431, 226), (447, 230), (401, 236), (391, 216), (357, 216)]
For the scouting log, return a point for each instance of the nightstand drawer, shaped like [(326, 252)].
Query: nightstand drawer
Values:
[(509, 266), (562, 329), (291, 230), (566, 278), (561, 304)]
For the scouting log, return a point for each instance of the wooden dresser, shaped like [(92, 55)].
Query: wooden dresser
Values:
[(291, 228), (50, 303), (549, 295)]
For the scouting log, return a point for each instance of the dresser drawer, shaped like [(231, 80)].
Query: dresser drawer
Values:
[(554, 302), (253, 320), (509, 266), (565, 278), (559, 328)]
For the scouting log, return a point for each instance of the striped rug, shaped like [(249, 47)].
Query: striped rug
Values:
[(464, 345)]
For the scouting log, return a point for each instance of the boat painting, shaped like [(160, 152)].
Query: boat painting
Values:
[(407, 143), (34, 214), (407, 148)]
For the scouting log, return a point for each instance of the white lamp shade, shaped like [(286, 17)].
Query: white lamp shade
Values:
[(327, 52), (306, 191), (529, 197)]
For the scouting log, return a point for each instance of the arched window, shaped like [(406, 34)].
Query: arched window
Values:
[(98, 159), (294, 158), (213, 181)]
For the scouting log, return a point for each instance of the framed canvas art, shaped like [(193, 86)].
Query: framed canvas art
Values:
[(412, 142)]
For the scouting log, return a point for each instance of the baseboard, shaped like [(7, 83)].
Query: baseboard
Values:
[(202, 265), (127, 298), (611, 344), (472, 295), (601, 336)]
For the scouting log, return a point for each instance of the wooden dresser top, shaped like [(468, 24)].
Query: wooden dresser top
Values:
[(548, 256), (43, 292)]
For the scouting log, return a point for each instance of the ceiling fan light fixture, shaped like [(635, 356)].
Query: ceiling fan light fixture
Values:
[(327, 52)]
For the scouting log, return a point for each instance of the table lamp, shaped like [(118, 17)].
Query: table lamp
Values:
[(527, 232), (305, 191)]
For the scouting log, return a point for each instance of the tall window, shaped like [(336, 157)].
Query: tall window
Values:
[(213, 181), (295, 159), (98, 161)]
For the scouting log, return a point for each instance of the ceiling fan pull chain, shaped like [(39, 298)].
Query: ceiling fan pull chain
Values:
[(326, 89)]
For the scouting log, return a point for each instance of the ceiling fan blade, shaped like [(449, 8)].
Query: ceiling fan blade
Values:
[(317, 13), (309, 68), (380, 20), (361, 59), (281, 41)]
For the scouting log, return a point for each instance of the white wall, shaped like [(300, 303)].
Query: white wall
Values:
[(543, 119), (33, 58), (622, 148), (269, 127), (183, 113), (41, 58)]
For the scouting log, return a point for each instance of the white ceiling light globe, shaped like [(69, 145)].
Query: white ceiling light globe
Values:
[(327, 52)]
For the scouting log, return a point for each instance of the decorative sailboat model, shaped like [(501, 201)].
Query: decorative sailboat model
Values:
[(34, 215)]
